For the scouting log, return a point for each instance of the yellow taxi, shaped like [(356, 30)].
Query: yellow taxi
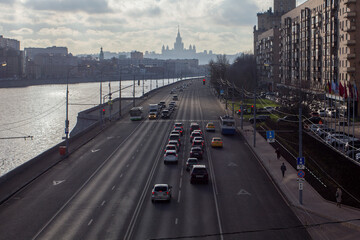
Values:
[(216, 142), (152, 116), (210, 126)]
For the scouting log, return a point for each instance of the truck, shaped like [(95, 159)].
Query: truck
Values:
[(154, 108)]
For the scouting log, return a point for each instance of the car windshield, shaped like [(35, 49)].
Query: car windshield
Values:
[(161, 189)]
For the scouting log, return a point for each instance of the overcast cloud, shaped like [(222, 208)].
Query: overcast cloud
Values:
[(224, 26)]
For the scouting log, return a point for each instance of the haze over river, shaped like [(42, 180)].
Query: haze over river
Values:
[(40, 112)]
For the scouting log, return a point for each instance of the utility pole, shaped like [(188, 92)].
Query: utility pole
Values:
[(134, 92)]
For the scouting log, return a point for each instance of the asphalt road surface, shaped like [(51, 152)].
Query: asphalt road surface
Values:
[(103, 191)]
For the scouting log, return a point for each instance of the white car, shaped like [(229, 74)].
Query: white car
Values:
[(338, 139), (161, 192), (170, 156)]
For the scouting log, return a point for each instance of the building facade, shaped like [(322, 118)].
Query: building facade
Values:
[(318, 49), (9, 43)]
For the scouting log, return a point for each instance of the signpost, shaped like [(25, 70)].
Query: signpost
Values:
[(270, 136)]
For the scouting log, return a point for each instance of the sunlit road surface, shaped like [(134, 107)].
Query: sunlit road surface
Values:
[(103, 191)]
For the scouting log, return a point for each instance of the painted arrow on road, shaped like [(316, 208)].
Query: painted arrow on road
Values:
[(243, 192), (232, 164), (95, 150), (58, 182)]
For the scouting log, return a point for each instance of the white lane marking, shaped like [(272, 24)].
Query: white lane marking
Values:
[(176, 221), (179, 196), (113, 188), (232, 164), (57, 182), (102, 204), (180, 182), (90, 222), (121, 175), (95, 150), (243, 192)]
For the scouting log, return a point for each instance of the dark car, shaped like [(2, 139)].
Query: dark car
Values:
[(194, 126), (198, 143), (190, 162), (259, 118), (196, 152), (165, 113), (314, 120), (199, 173)]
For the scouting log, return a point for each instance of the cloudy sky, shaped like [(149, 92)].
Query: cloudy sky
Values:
[(224, 26)]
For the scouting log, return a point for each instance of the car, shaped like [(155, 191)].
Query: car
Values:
[(190, 162), (199, 139), (322, 113), (196, 152), (210, 126), (198, 130), (162, 104), (161, 192), (269, 109), (152, 115), (199, 173), (195, 134), (357, 157), (259, 118), (179, 129), (289, 119), (315, 114), (165, 113), (179, 124), (314, 120), (194, 126), (175, 132), (175, 98), (323, 132), (216, 142), (174, 142), (175, 137), (198, 143), (170, 156), (338, 139), (315, 127), (171, 147)]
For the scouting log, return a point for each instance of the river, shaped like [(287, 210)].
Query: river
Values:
[(33, 118)]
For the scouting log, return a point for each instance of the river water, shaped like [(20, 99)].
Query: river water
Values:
[(40, 112)]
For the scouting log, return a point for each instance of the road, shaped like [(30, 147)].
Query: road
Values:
[(102, 191)]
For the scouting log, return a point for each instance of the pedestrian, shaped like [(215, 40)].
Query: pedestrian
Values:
[(283, 169), (278, 154), (338, 197)]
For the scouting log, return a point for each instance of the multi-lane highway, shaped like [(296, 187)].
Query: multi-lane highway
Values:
[(103, 191)]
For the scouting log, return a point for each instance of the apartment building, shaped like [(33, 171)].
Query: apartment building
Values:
[(319, 49)]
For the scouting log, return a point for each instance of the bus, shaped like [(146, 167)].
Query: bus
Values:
[(136, 113), (227, 125)]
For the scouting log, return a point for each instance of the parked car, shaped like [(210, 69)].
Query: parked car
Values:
[(199, 173), (288, 119), (338, 139), (259, 118), (170, 156), (322, 113), (161, 192)]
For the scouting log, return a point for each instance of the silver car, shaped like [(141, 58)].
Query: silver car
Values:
[(170, 156), (161, 192)]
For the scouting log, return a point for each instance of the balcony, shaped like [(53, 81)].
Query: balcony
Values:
[(351, 14), (349, 1), (351, 56), (350, 42), (350, 29), (350, 69)]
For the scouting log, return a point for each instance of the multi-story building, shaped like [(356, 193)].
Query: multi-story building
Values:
[(266, 43), (318, 48), (9, 43)]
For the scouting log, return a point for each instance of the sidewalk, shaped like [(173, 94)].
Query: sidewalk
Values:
[(313, 203)]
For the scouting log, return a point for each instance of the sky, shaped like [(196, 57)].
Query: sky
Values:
[(223, 26)]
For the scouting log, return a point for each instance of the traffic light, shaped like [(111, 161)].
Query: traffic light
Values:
[(103, 111), (252, 108), (204, 81)]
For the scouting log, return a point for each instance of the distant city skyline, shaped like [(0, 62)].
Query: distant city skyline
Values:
[(223, 26)]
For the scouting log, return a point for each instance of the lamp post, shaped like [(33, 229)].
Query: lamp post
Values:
[(67, 113)]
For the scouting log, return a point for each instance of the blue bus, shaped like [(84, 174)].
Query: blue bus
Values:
[(227, 125)]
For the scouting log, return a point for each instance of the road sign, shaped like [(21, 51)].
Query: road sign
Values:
[(221, 92), (300, 179), (270, 136), (300, 167), (300, 161), (301, 186), (301, 174)]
